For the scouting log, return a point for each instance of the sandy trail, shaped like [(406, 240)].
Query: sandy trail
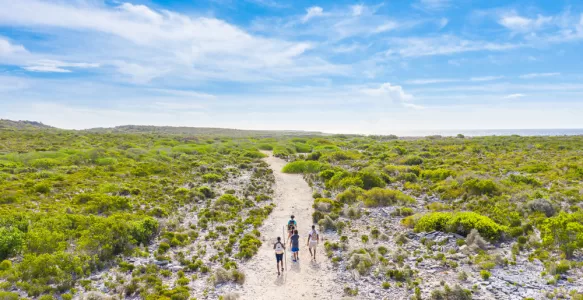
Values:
[(302, 280)]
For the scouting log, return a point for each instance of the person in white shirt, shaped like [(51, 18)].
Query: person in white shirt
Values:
[(279, 247), (313, 238)]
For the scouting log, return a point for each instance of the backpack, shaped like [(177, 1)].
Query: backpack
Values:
[(279, 247), (291, 224)]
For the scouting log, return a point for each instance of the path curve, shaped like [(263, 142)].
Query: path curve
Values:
[(303, 280)]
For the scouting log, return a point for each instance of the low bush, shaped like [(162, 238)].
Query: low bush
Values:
[(248, 246), (412, 161), (361, 261), (350, 195), (384, 197), (437, 174), (457, 293), (564, 231), (542, 205), (459, 222), (303, 166), (475, 186)]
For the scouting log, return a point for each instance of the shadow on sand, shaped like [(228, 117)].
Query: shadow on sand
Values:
[(280, 280), (295, 267)]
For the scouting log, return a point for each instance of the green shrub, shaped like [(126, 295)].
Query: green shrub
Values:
[(5, 265), (302, 166), (412, 161), (206, 191), (163, 247), (370, 180), (437, 174), (11, 241), (8, 296), (351, 182), (460, 222), (524, 180), (212, 177), (248, 246), (485, 274), (228, 201), (475, 186), (385, 197), (66, 296), (564, 231), (42, 188), (362, 262), (350, 195), (326, 174)]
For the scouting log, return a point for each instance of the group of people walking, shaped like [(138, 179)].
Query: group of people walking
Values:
[(294, 243)]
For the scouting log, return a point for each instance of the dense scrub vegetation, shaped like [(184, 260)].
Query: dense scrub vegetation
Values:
[(526, 192), (76, 203), (168, 210)]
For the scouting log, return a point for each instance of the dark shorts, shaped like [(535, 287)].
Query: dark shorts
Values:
[(279, 257)]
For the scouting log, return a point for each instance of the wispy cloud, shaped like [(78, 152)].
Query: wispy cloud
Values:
[(486, 78), (444, 45), (514, 96), (537, 75), (431, 81), (517, 23), (357, 9), (185, 93), (432, 5), (56, 66), (162, 42), (311, 12), (413, 106), (7, 48)]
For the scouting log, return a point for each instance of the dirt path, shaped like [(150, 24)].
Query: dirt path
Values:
[(302, 280)]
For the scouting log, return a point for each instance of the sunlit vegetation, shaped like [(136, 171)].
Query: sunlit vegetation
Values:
[(75, 203), (521, 190)]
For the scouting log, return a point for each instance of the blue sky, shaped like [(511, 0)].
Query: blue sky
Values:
[(334, 66)]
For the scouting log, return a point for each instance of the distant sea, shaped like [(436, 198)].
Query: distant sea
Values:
[(489, 132)]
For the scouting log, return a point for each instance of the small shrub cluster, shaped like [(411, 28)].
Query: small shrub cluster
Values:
[(459, 222)]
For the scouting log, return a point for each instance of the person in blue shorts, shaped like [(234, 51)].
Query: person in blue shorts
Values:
[(279, 248), (295, 245)]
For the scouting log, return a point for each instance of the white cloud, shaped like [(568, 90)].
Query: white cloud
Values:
[(138, 73), (514, 96), (147, 40), (443, 45), (348, 48), (7, 48), (443, 22), (357, 9), (389, 93), (312, 12), (486, 78), (432, 4), (185, 93), (387, 26), (431, 81), (413, 106), (521, 24), (182, 106), (142, 12), (537, 75), (56, 66)]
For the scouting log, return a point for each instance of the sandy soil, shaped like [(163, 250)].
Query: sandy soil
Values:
[(304, 279)]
